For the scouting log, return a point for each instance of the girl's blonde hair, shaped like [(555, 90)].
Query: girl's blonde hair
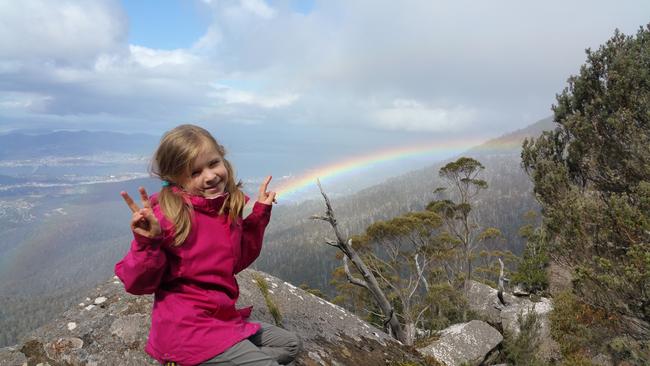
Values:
[(173, 160)]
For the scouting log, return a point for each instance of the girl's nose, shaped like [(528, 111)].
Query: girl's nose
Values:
[(210, 175)]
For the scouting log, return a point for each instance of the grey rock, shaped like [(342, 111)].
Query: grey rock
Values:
[(115, 329), (519, 291), (59, 349), (465, 343), (131, 328), (483, 300), (11, 356)]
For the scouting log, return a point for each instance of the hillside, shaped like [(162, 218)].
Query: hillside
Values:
[(295, 249)]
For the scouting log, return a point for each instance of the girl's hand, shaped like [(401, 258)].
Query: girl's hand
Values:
[(143, 221), (266, 197)]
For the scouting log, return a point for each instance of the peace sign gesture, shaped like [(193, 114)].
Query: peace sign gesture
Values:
[(265, 196), (143, 221)]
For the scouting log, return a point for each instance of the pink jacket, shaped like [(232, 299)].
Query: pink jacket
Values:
[(194, 316)]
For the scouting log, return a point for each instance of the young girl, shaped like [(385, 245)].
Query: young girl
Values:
[(189, 242)]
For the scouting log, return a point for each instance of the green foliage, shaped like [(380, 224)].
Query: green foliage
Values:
[(625, 349), (389, 248), (521, 349), (464, 170), (577, 326), (448, 306), (592, 177), (270, 304), (577, 359), (313, 291), (422, 260), (428, 361), (531, 272)]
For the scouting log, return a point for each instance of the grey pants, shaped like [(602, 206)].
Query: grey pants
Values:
[(270, 346)]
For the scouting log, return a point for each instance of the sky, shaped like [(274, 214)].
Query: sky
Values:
[(290, 78)]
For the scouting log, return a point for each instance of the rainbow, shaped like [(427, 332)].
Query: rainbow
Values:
[(441, 149)]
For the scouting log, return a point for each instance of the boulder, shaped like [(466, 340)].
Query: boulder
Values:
[(465, 343), (482, 299), (111, 326)]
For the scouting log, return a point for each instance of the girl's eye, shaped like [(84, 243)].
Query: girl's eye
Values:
[(195, 174), (214, 163)]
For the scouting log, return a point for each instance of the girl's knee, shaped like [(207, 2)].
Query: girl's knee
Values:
[(294, 345)]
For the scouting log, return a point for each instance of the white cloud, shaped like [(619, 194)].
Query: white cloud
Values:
[(259, 8), (23, 101), (411, 115), (233, 96), (151, 58), (72, 31), (209, 40)]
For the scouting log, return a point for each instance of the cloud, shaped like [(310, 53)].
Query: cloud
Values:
[(63, 31), (152, 58), (411, 115), (259, 8), (428, 66), (233, 96)]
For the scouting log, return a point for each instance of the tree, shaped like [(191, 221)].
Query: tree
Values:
[(461, 226), (401, 253), (531, 272), (407, 255), (592, 178)]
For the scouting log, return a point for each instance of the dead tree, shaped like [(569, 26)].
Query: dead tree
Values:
[(369, 282), (502, 281)]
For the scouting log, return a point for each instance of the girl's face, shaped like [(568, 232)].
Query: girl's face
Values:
[(208, 174)]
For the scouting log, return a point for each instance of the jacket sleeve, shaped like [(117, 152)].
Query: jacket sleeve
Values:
[(143, 266), (253, 235)]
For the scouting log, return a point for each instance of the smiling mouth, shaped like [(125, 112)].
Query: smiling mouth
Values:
[(212, 188)]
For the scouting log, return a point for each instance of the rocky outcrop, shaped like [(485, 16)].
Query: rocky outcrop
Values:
[(110, 328), (482, 300), (464, 344)]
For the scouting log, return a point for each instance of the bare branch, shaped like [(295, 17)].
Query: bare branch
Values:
[(332, 243), (319, 217), (501, 284), (417, 284), (353, 280), (417, 318), (420, 271)]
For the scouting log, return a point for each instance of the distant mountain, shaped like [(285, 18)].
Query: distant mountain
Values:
[(512, 141), (21, 145)]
